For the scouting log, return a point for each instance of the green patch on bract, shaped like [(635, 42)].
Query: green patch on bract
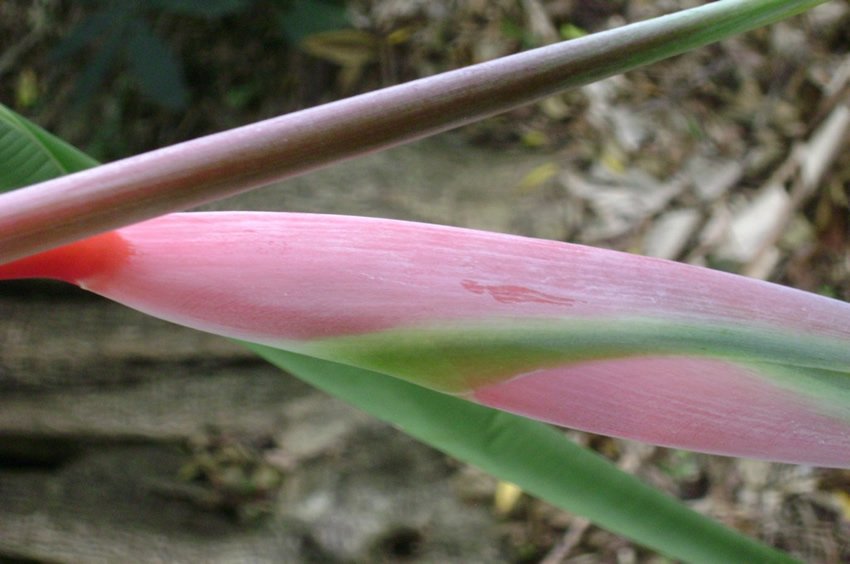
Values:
[(828, 390), (460, 356)]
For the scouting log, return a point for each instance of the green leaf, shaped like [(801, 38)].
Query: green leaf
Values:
[(534, 456), (307, 17), (200, 8), (155, 67), (107, 55), (84, 34), (29, 154), (120, 30)]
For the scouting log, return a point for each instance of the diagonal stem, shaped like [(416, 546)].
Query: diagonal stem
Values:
[(62, 210)]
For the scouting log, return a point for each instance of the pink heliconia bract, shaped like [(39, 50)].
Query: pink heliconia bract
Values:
[(593, 339)]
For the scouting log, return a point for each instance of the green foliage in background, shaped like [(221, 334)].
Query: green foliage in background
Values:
[(120, 35)]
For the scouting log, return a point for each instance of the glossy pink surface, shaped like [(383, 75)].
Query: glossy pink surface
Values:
[(698, 404), (272, 277)]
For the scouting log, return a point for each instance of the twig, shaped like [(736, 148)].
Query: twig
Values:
[(810, 161), (11, 55), (570, 540), (836, 90)]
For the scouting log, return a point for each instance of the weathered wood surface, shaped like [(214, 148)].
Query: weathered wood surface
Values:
[(97, 404)]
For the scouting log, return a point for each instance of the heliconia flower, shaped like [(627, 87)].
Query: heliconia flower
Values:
[(587, 338)]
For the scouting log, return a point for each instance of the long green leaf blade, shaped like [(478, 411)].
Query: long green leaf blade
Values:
[(534, 456)]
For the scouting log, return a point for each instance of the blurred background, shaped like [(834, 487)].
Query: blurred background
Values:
[(122, 437)]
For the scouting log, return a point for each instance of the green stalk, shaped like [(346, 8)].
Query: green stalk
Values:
[(181, 176)]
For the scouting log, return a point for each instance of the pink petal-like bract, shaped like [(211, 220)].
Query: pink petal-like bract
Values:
[(593, 339)]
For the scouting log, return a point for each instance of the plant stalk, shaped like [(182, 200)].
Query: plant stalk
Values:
[(188, 174)]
